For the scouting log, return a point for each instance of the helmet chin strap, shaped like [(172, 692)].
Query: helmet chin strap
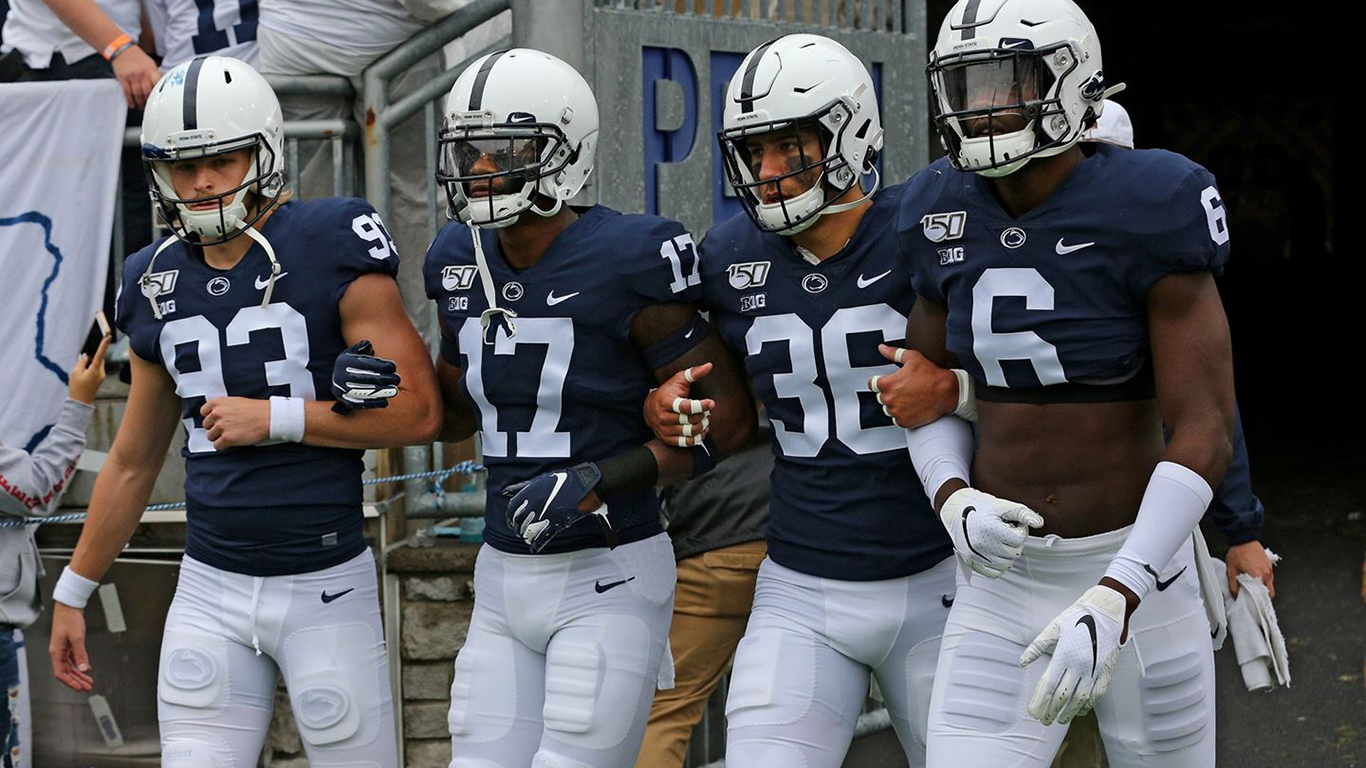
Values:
[(270, 254), (486, 280), (877, 181), (145, 282)]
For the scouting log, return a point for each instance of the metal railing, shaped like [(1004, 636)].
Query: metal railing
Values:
[(875, 15)]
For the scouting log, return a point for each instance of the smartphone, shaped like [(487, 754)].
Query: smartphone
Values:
[(98, 330)]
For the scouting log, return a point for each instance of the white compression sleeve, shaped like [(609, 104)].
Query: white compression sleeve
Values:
[(941, 451), (1174, 502)]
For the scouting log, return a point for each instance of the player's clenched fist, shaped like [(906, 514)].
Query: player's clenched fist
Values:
[(236, 421), (988, 533), (673, 415)]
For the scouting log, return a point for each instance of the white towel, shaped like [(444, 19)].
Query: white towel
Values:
[(1257, 638), (1212, 589)]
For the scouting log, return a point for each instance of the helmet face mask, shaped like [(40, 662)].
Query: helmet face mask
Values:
[(491, 172), (202, 225), (811, 162), (993, 107)]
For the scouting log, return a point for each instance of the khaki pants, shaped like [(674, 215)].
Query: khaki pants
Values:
[(711, 607)]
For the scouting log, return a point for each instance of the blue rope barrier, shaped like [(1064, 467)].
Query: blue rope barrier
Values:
[(440, 475)]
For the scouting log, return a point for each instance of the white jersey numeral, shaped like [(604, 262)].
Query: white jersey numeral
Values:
[(543, 440), (207, 381), (676, 251), (1215, 216), (369, 228), (845, 381), (990, 347)]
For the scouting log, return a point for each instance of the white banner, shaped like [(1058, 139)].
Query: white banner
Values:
[(60, 142)]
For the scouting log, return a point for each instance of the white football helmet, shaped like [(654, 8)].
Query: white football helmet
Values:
[(518, 122), (1000, 59), (786, 84), (208, 106)]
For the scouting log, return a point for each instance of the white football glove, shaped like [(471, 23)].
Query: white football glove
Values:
[(1084, 641), (988, 533)]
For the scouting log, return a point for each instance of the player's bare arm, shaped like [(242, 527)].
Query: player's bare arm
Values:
[(1193, 369), (116, 505), (370, 309), (458, 421)]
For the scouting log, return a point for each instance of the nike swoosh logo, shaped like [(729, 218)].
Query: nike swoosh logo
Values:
[(946, 601), (329, 598), (966, 512), (560, 477), (1162, 585), (1013, 44), (688, 335), (600, 587), (1090, 622), (1066, 249), (865, 283), (552, 299), (261, 283)]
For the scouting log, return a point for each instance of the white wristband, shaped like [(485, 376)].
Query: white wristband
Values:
[(967, 396), (287, 419), (73, 589)]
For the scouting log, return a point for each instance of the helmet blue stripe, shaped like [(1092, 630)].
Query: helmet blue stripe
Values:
[(190, 108), (477, 91)]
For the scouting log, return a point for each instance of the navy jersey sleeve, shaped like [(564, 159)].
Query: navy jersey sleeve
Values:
[(664, 267), (1189, 231), (360, 243), (131, 307), (913, 229), (437, 273)]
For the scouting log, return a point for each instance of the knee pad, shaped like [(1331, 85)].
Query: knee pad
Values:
[(197, 752), (485, 688), (764, 660), (599, 680), (332, 673), (984, 687), (1176, 710), (191, 680)]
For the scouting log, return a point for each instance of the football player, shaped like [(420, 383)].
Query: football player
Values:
[(1076, 289), (556, 322), (805, 285), (236, 325)]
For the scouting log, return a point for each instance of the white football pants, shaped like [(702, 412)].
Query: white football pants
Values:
[(1159, 709), (226, 635), (562, 657), (801, 672)]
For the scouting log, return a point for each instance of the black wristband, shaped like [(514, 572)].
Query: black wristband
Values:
[(630, 471)]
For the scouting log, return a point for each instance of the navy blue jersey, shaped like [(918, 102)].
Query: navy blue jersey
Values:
[(268, 509), (1059, 295), (846, 500), (569, 385)]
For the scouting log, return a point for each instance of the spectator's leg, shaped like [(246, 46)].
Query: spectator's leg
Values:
[(711, 607), (9, 693), (1081, 748)]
